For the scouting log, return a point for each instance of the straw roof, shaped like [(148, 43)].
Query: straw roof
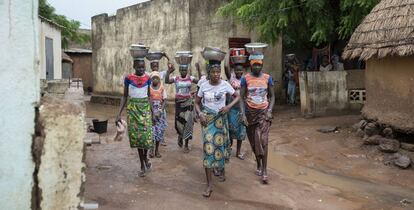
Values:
[(387, 31)]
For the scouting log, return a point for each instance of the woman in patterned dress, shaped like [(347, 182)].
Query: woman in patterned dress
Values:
[(158, 95), (136, 93), (237, 127), (211, 107), (184, 121)]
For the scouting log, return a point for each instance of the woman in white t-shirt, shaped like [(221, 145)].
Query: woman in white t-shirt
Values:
[(212, 110)]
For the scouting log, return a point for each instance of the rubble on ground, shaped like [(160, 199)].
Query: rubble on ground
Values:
[(384, 138)]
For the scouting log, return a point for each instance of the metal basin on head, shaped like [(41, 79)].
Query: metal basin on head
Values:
[(213, 53), (154, 56), (256, 47), (138, 50), (183, 57)]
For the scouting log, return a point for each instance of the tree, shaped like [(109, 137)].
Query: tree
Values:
[(70, 27), (300, 22)]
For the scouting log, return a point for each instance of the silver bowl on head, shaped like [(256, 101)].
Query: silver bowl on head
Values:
[(255, 47), (138, 50), (183, 57), (240, 59), (213, 53), (154, 56)]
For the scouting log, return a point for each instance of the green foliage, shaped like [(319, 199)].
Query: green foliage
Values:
[(70, 27), (300, 22)]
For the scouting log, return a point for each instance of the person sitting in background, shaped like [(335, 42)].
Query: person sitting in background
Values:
[(325, 66), (337, 65)]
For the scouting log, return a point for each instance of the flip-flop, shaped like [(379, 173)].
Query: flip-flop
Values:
[(221, 178), (240, 156), (141, 173), (164, 144), (148, 166), (158, 156), (207, 193), (265, 179), (258, 172), (216, 172), (186, 150)]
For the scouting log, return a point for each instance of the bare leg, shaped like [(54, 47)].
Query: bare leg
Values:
[(209, 188), (186, 149), (146, 160), (264, 160), (141, 160), (157, 152), (180, 141), (238, 154)]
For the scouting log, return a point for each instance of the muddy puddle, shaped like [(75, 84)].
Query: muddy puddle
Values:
[(350, 188)]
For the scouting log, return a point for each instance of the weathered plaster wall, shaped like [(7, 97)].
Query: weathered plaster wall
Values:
[(162, 25), (390, 92), (20, 92), (60, 173), (169, 26), (323, 93), (50, 31)]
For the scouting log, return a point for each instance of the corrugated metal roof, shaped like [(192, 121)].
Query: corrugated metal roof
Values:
[(77, 50)]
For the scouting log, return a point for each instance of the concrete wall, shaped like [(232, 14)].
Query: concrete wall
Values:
[(162, 25), (323, 93), (60, 173), (53, 32), (327, 93), (168, 26), (20, 92), (82, 68), (390, 92), (209, 29)]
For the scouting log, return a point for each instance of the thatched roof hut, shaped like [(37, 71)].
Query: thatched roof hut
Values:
[(388, 30), (385, 40)]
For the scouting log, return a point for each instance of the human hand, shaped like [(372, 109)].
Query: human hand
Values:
[(243, 119), (269, 115), (171, 67), (225, 109), (203, 120)]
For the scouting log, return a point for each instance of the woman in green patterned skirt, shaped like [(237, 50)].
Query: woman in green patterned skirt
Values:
[(136, 92)]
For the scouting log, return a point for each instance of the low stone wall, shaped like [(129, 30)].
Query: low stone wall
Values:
[(58, 152), (327, 93), (57, 86)]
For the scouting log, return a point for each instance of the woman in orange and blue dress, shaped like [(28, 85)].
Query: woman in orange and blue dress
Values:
[(257, 90)]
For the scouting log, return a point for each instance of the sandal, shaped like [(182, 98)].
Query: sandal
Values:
[(148, 165), (186, 150), (157, 155), (265, 179), (164, 143), (240, 156), (216, 172), (141, 173), (258, 172), (221, 178), (207, 193)]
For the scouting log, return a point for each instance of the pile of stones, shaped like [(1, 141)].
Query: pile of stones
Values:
[(384, 139)]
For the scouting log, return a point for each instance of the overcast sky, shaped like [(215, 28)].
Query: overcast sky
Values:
[(83, 10)]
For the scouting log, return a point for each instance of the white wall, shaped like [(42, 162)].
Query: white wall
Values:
[(50, 31), (19, 72)]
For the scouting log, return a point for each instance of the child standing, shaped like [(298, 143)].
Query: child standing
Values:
[(158, 96)]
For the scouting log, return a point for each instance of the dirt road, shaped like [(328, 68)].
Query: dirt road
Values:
[(309, 170)]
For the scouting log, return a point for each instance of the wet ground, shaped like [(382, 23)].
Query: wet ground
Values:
[(309, 170)]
